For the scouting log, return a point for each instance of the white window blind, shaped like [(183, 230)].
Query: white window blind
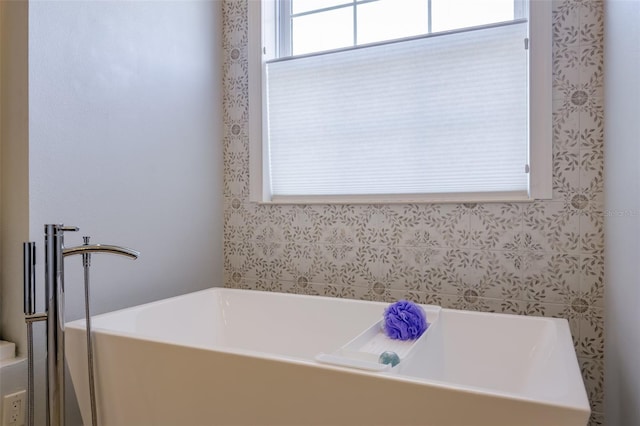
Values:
[(440, 114)]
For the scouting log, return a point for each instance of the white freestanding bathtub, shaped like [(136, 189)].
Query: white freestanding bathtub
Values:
[(240, 357)]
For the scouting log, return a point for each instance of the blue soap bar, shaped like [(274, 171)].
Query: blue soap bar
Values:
[(388, 357)]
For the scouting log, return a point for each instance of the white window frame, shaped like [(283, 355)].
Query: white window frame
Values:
[(285, 13), (263, 45)]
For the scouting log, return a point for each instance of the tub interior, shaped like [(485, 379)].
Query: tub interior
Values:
[(521, 355), (270, 323)]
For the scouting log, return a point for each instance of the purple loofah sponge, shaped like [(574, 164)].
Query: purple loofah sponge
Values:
[(404, 320)]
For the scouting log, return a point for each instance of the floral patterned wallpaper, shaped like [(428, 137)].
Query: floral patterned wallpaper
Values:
[(541, 258)]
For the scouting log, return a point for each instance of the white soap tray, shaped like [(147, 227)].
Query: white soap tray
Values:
[(363, 352)]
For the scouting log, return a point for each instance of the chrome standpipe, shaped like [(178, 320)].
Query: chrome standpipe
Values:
[(54, 314), (54, 294)]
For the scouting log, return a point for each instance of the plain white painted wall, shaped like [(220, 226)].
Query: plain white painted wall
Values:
[(124, 142), (622, 207)]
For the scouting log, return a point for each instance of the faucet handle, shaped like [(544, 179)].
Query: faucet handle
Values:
[(86, 257), (69, 228), (57, 230)]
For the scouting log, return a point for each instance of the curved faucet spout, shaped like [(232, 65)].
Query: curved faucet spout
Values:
[(101, 248)]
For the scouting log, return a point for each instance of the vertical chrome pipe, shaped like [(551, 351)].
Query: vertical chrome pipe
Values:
[(54, 287), (29, 277), (54, 293)]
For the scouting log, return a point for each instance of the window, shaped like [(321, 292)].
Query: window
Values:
[(400, 100)]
